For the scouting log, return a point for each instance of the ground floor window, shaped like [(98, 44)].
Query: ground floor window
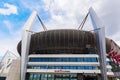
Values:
[(61, 77)]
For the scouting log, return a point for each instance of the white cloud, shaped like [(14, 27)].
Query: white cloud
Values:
[(8, 25), (9, 9), (32, 4), (64, 14), (9, 42), (69, 14)]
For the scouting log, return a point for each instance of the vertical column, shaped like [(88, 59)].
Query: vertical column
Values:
[(100, 37), (26, 36)]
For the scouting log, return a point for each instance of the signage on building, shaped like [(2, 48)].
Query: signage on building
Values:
[(115, 52), (61, 70)]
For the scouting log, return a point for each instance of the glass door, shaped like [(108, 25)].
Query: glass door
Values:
[(90, 78)]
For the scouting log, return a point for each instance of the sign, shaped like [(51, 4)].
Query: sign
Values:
[(115, 52), (61, 70)]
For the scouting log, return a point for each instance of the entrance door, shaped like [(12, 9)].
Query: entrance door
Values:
[(62, 77), (90, 78)]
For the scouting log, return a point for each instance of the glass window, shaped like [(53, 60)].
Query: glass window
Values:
[(57, 67), (64, 67), (73, 59), (57, 60), (94, 60), (50, 67), (86, 60), (67, 67), (65, 75), (31, 77), (64, 59), (73, 67), (49, 75), (73, 75), (52, 75), (80, 60), (43, 67), (36, 77), (43, 76), (107, 63), (80, 67)]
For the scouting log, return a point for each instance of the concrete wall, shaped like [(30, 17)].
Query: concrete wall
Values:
[(14, 72)]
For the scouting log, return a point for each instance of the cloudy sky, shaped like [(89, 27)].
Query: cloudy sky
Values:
[(56, 14)]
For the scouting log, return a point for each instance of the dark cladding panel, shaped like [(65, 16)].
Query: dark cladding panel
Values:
[(61, 41), (49, 38), (70, 38), (76, 36)]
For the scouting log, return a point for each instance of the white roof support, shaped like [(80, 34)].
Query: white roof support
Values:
[(26, 37), (100, 35)]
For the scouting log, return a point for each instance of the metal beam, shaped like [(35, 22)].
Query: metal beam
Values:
[(100, 36), (83, 22), (43, 25), (26, 37)]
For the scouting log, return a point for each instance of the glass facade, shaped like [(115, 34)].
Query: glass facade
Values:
[(61, 77), (73, 59), (64, 67), (53, 77)]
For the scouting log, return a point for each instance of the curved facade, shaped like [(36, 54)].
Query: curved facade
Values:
[(63, 41)]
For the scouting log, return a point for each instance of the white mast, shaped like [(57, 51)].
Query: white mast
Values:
[(26, 37), (100, 36)]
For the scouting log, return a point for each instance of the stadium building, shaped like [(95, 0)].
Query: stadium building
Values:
[(66, 54)]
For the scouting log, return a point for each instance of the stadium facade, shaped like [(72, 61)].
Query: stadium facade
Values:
[(66, 54)]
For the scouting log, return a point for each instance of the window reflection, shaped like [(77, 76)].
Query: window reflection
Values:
[(64, 67), (53, 77), (73, 59)]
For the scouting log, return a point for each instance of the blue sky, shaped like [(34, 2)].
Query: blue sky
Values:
[(56, 14)]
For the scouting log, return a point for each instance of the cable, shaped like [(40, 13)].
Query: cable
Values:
[(44, 27), (83, 22)]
